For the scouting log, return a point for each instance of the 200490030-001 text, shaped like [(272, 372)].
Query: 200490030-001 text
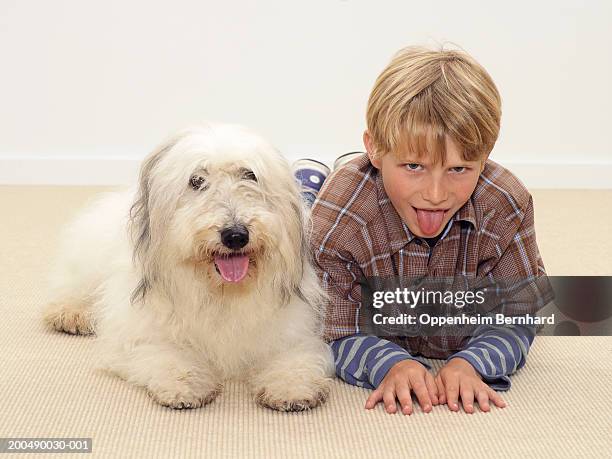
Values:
[(45, 445)]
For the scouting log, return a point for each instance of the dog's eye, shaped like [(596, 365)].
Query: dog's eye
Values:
[(248, 174), (197, 182)]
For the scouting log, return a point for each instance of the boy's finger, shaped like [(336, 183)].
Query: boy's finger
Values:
[(452, 394), (389, 399), (420, 390), (467, 397), (403, 395), (483, 400), (373, 399), (496, 399), (441, 390), (431, 388)]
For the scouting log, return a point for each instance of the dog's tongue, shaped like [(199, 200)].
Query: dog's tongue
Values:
[(233, 268), (430, 220)]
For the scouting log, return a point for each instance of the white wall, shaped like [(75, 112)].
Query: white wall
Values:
[(85, 86)]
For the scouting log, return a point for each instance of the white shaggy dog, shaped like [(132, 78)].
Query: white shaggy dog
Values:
[(200, 274)]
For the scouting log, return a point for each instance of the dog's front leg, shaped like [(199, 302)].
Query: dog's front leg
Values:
[(173, 377), (295, 379)]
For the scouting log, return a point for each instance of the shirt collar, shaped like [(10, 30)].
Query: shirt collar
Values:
[(467, 213), (398, 232)]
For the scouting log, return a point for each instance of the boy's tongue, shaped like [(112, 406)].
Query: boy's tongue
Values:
[(429, 220), (233, 268)]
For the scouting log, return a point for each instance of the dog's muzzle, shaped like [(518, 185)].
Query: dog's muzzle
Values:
[(233, 267)]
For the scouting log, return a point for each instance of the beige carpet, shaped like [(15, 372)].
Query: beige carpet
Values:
[(559, 405)]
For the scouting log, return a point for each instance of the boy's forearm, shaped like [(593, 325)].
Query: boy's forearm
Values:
[(364, 360), (497, 352)]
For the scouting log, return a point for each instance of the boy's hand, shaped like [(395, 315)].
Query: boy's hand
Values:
[(458, 377), (403, 377)]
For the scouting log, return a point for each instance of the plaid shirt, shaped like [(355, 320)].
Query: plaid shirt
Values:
[(357, 232)]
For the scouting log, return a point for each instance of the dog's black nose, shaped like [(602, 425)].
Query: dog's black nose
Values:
[(235, 237)]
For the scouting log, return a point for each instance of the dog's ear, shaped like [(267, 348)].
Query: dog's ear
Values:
[(139, 223), (304, 245), (297, 235), (302, 280)]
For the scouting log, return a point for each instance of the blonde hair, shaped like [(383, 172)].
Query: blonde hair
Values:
[(424, 95)]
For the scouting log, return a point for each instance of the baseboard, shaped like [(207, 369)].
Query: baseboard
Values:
[(120, 170)]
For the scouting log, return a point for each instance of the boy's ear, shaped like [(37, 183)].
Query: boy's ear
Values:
[(369, 146), (483, 163)]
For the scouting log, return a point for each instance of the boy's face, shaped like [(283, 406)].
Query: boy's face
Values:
[(427, 195)]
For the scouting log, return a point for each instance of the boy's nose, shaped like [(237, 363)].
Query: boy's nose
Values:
[(436, 193)]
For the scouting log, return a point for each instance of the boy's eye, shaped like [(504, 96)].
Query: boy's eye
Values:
[(458, 170), (413, 166)]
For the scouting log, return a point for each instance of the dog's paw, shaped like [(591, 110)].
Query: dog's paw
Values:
[(182, 400), (292, 399), (182, 394), (75, 320)]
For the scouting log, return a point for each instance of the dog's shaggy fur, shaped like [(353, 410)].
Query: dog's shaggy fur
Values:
[(149, 271)]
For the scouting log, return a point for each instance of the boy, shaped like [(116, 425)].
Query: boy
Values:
[(425, 201)]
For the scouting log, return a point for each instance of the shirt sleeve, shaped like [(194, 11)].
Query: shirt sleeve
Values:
[(339, 275), (513, 260), (498, 351), (364, 360)]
